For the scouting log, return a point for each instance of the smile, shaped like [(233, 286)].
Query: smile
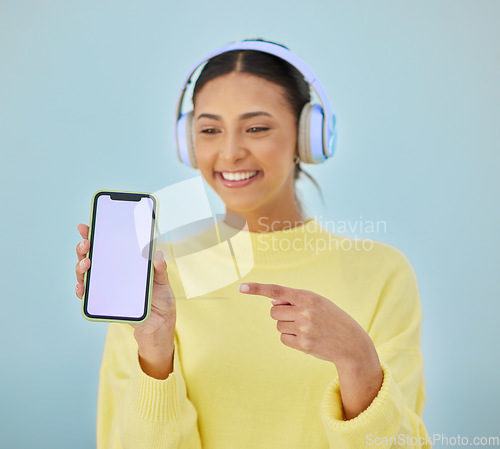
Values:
[(230, 176), (238, 179)]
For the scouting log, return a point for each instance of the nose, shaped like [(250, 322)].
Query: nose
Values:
[(232, 147)]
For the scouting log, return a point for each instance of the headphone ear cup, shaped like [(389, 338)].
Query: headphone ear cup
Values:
[(190, 139), (304, 135), (185, 140), (311, 150)]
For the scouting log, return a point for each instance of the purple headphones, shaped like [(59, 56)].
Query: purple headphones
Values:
[(317, 130)]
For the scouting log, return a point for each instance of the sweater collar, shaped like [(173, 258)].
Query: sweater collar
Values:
[(292, 245)]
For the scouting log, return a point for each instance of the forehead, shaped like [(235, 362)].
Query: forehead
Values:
[(243, 89)]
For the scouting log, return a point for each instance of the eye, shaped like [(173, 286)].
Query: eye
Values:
[(209, 131), (256, 129)]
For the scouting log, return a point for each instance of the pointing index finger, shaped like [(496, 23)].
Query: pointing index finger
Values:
[(272, 291)]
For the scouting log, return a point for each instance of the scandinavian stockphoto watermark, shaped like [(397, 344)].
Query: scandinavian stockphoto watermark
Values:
[(436, 440), (307, 238), (360, 225), (205, 262)]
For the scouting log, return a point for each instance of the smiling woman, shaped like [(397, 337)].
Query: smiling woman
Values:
[(333, 357), (275, 93), (255, 133)]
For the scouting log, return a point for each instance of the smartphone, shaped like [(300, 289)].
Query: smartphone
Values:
[(122, 235)]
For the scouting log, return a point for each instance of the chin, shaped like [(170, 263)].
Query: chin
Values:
[(239, 205)]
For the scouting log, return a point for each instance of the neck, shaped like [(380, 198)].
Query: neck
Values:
[(262, 221)]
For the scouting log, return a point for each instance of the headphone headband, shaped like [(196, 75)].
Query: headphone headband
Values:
[(329, 121)]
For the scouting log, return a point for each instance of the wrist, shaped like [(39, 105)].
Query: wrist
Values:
[(361, 359), (157, 363), (359, 373), (155, 351), (360, 380), (155, 337)]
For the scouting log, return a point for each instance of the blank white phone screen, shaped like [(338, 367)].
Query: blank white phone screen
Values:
[(119, 263)]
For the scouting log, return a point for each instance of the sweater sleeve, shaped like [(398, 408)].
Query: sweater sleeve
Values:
[(394, 418), (137, 411)]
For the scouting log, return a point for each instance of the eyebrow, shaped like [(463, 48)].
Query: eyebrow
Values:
[(241, 117)]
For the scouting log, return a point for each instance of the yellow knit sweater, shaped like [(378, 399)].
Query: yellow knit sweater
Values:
[(235, 385)]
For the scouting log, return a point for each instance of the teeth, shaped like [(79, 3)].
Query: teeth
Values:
[(238, 176)]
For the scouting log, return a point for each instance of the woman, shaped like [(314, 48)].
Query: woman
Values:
[(318, 347)]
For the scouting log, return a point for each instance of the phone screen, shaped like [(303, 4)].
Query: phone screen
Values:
[(117, 284)]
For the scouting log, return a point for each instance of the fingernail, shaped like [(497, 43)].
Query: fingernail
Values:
[(82, 262), (274, 301), (244, 288)]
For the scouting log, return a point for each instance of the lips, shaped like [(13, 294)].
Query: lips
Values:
[(240, 178)]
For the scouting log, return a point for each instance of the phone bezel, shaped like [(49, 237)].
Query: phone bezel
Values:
[(152, 248)]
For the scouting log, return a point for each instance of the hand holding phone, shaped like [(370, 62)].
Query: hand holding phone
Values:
[(155, 336), (122, 237)]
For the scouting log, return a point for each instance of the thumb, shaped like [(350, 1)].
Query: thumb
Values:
[(160, 266)]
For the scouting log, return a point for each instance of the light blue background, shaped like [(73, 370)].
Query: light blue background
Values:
[(87, 99)]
